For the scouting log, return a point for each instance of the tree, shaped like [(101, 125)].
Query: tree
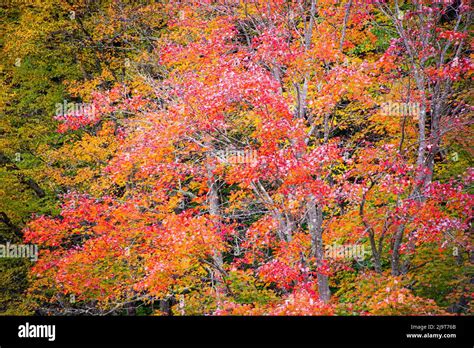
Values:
[(215, 180)]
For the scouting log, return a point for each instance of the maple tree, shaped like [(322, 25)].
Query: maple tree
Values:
[(240, 140)]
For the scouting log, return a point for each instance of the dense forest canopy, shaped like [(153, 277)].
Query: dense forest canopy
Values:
[(286, 157)]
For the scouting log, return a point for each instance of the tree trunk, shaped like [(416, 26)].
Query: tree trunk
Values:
[(214, 211), (395, 260), (315, 225)]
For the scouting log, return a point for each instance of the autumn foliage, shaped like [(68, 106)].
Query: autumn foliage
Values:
[(237, 140)]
